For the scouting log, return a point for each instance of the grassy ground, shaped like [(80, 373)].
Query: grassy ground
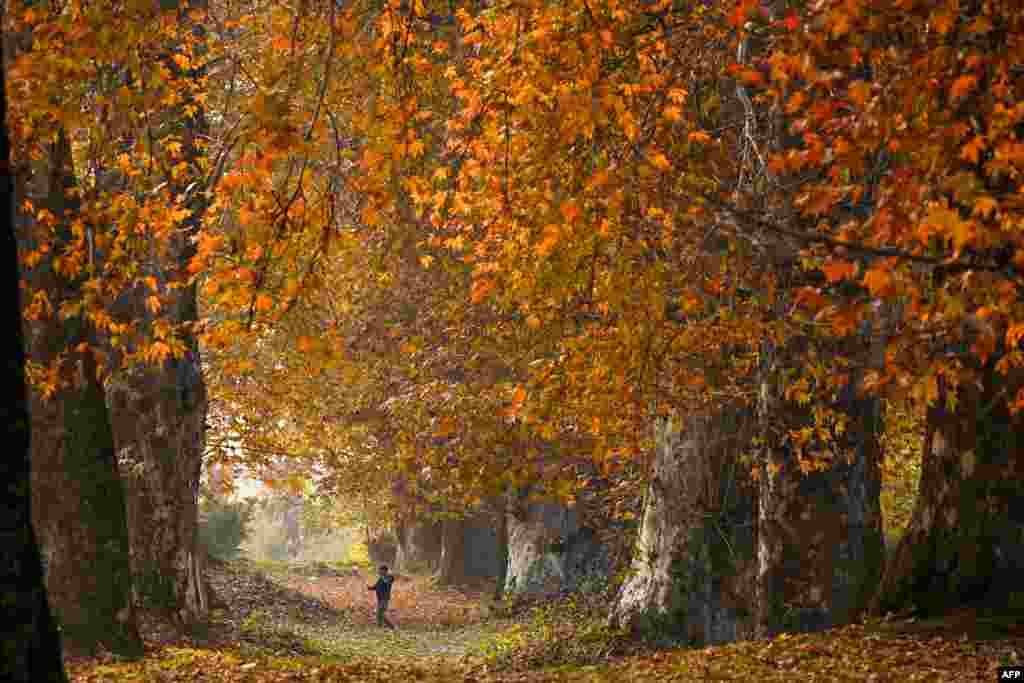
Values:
[(280, 623)]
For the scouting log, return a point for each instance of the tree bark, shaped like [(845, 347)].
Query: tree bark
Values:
[(29, 643), (452, 567), (965, 541), (158, 423), (80, 517), (694, 559), (419, 546), (159, 413), (550, 549), (501, 510), (820, 544)]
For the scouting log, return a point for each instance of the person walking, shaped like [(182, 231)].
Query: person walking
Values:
[(383, 589)]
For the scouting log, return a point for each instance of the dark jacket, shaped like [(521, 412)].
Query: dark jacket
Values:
[(383, 587)]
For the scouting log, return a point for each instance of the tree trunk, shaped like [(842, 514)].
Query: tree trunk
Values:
[(502, 533), (419, 546), (80, 517), (159, 413), (694, 560), (550, 549), (158, 423), (820, 545), (452, 568), (29, 643), (965, 541)]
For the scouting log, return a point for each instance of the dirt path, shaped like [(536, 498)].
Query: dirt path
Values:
[(333, 615)]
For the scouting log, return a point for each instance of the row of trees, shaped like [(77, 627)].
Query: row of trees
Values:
[(627, 232), (466, 249)]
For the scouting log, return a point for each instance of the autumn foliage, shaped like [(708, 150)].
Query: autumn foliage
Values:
[(469, 246)]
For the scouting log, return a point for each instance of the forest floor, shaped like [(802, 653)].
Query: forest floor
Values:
[(317, 624)]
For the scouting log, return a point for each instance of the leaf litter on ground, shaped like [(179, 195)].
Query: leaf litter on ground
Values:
[(319, 626)]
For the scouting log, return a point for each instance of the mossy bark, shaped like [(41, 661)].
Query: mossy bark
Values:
[(80, 510), (965, 541), (158, 416), (693, 564), (820, 543)]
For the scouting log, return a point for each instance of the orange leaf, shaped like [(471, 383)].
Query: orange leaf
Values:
[(838, 269), (972, 150), (878, 281), (1014, 335), (985, 206), (660, 161), (480, 290), (962, 86), (264, 302)]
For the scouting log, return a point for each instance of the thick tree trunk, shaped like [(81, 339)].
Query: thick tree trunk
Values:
[(159, 413), (29, 643), (419, 546), (820, 545), (694, 560), (965, 541), (452, 567), (482, 547), (80, 515), (550, 549), (159, 418)]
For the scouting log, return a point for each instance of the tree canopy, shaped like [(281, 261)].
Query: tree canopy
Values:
[(495, 240)]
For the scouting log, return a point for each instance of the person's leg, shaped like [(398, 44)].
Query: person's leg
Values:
[(382, 619)]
